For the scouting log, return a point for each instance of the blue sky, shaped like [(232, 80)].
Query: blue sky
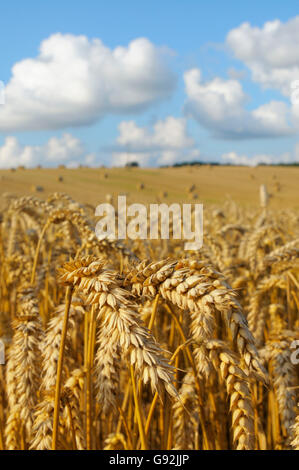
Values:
[(235, 106)]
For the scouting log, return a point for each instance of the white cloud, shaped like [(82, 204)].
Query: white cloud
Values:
[(272, 117), (214, 98), (166, 143), (170, 133), (75, 81), (219, 105), (270, 52), (122, 158), (236, 74), (90, 159), (237, 159), (60, 150), (67, 149), (297, 152)]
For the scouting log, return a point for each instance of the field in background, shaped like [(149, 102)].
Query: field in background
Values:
[(213, 184)]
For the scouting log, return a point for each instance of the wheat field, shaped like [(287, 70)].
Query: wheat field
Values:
[(140, 344)]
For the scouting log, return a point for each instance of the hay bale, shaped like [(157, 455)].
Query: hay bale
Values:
[(37, 189), (191, 188)]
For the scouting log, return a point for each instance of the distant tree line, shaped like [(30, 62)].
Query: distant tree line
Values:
[(192, 163), (200, 163)]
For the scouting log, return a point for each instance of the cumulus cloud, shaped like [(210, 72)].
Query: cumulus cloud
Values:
[(170, 133), (270, 52), (165, 143), (219, 105), (236, 74), (67, 150), (75, 81), (122, 158), (237, 159)]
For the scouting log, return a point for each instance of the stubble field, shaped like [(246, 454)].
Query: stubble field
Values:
[(213, 184)]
